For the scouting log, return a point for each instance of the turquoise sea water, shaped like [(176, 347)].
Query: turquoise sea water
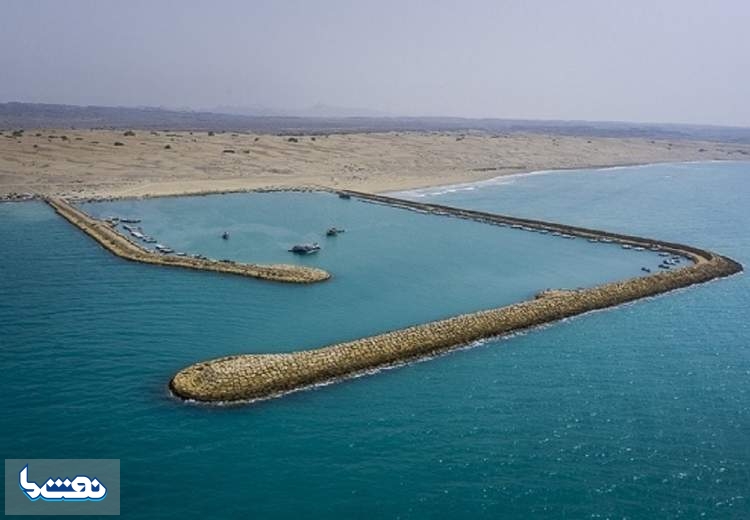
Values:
[(640, 411)]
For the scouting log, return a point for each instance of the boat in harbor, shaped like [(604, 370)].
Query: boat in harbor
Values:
[(645, 269), (627, 246), (225, 235), (344, 196), (305, 249), (130, 220), (332, 232)]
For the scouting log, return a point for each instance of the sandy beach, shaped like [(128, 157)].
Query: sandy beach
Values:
[(89, 163)]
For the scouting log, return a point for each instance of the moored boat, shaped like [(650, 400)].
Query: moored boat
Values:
[(305, 249)]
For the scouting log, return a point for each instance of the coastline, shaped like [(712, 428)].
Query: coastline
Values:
[(304, 188)]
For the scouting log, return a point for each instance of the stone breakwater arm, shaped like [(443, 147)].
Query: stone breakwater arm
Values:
[(124, 248), (259, 376)]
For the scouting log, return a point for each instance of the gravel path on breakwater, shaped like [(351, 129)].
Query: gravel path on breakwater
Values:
[(259, 376), (124, 248)]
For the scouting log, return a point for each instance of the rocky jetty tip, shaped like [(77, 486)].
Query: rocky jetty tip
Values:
[(260, 376)]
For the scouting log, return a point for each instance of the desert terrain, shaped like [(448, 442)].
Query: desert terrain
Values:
[(113, 163)]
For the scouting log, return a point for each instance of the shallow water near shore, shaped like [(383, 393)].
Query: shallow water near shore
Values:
[(641, 411)]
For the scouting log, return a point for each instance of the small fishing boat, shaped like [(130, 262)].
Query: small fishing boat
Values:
[(225, 235), (332, 232), (130, 220), (639, 248), (305, 249), (645, 269), (664, 253), (627, 246), (344, 196)]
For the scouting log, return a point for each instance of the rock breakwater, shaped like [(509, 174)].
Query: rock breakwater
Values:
[(124, 248), (258, 376)]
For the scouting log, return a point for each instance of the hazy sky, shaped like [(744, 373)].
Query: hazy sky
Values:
[(651, 60)]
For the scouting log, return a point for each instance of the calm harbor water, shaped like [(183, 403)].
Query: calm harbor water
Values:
[(640, 411)]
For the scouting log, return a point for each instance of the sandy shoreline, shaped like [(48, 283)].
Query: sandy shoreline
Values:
[(82, 164)]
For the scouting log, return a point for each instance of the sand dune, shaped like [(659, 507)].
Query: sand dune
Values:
[(87, 163)]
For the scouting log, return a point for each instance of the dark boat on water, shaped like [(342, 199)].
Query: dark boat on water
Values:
[(305, 249), (344, 196), (332, 232), (225, 235)]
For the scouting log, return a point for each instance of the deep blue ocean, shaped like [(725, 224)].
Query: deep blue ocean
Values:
[(642, 411)]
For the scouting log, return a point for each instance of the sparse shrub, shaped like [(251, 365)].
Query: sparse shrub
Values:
[(38, 135), (17, 133), (256, 139), (167, 146), (228, 150), (64, 137), (312, 138), (211, 134), (118, 143), (293, 140), (129, 133), (245, 151)]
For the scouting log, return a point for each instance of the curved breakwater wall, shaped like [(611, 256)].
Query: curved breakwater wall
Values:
[(258, 376), (118, 244)]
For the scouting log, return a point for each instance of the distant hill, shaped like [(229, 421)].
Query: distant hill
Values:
[(36, 115)]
